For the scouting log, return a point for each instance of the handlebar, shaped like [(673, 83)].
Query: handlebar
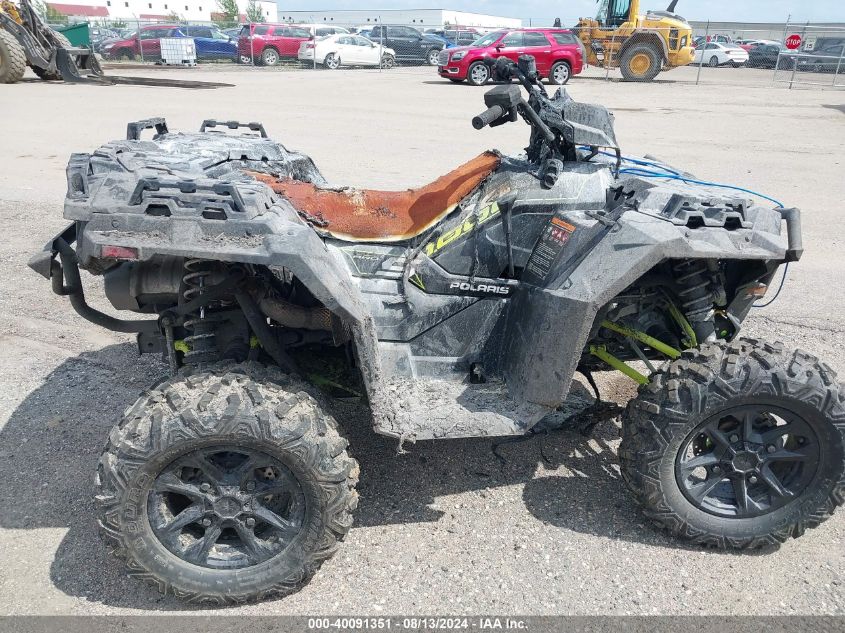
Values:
[(488, 116)]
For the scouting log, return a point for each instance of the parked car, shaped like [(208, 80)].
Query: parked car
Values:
[(212, 43), (99, 35), (455, 37), (824, 60), (334, 51), (410, 44), (720, 39), (558, 52), (321, 30), (718, 54), (768, 56), (146, 41), (267, 44)]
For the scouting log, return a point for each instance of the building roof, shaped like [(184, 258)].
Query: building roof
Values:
[(80, 9)]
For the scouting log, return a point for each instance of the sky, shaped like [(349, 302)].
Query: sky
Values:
[(570, 10)]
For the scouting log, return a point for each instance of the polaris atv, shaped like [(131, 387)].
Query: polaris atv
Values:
[(459, 309)]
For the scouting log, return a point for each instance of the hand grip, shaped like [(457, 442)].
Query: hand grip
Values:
[(488, 116)]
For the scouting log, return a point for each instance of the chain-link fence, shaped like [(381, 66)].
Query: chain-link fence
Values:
[(659, 49)]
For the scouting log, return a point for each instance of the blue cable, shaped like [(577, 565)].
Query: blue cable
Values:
[(671, 174)]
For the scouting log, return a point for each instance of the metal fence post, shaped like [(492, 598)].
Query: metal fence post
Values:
[(140, 42), (780, 48), (795, 61), (838, 66), (314, 55), (381, 41), (701, 59)]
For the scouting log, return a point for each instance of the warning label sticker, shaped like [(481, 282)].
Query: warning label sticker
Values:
[(547, 251)]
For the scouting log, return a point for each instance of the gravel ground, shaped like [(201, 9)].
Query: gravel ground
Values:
[(445, 528)]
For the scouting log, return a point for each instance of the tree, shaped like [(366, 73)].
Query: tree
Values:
[(253, 12), (227, 13)]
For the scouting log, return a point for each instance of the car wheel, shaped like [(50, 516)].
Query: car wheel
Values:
[(560, 73), (388, 61), (478, 74), (269, 57), (125, 54), (432, 56), (332, 61), (245, 59), (714, 61)]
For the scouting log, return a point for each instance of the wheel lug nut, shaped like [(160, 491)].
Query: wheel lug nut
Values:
[(250, 522), (205, 487), (752, 479), (206, 522), (734, 438), (771, 448), (717, 469)]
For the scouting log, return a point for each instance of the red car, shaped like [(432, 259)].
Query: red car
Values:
[(149, 41), (558, 52), (266, 44)]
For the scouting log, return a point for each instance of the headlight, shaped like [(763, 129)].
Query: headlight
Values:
[(456, 57)]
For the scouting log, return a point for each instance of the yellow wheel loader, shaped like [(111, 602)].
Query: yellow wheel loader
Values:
[(639, 45), (26, 41)]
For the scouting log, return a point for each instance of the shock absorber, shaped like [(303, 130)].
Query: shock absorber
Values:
[(697, 296), (201, 326)]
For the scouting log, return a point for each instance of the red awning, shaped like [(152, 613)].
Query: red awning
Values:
[(80, 9)]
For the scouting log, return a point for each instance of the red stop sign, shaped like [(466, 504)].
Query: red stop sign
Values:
[(793, 41)]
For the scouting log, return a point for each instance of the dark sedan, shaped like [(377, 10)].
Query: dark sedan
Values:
[(825, 60)]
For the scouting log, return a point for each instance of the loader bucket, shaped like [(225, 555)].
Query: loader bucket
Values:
[(77, 65)]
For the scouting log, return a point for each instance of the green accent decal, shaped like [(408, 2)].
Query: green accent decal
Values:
[(417, 281)]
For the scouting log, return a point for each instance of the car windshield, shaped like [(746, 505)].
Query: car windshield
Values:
[(487, 40)]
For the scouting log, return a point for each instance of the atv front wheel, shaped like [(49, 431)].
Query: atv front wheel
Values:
[(226, 485), (739, 445)]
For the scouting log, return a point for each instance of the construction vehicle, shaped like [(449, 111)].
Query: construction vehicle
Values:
[(640, 46), (25, 40)]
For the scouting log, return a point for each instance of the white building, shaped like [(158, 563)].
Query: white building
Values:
[(420, 18), (156, 10)]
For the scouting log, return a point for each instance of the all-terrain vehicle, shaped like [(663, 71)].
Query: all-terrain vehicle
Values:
[(459, 309)]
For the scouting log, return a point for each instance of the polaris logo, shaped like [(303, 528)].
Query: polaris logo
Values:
[(491, 288)]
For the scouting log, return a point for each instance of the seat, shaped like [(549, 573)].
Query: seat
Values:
[(367, 215)]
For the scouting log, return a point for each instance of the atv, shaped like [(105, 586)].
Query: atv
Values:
[(460, 309)]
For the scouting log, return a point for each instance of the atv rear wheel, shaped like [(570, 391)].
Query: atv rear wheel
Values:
[(739, 445), (226, 485), (640, 62), (12, 59)]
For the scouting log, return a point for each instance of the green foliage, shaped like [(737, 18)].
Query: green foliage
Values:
[(54, 17), (227, 14), (119, 24), (253, 12)]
